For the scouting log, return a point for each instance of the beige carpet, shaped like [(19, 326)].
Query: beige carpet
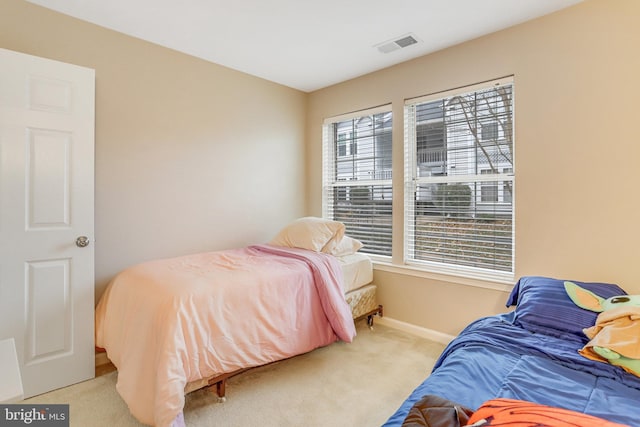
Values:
[(344, 385)]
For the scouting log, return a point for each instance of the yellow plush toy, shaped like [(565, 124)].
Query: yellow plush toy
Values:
[(615, 338)]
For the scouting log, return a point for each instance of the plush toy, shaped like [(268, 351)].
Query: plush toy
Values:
[(615, 337)]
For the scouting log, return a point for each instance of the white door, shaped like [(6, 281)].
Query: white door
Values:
[(46, 204)]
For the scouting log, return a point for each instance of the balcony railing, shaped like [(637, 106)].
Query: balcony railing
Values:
[(432, 156), (382, 174)]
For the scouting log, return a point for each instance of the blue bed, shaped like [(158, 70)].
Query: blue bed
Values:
[(531, 354)]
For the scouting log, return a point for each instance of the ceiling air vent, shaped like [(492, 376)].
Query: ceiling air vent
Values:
[(399, 43)]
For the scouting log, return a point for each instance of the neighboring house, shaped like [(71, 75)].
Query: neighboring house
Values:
[(466, 137), (452, 140), (364, 150)]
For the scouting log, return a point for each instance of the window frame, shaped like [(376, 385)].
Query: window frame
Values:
[(411, 187), (330, 159)]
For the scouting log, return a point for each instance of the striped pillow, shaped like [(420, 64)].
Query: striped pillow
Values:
[(543, 306)]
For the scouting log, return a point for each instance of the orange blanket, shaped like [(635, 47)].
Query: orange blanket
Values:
[(519, 413)]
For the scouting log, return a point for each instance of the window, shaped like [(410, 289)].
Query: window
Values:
[(489, 131), (488, 190), (346, 144), (342, 145), (459, 181), (507, 187), (357, 176)]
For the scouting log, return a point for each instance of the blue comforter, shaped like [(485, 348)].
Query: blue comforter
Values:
[(494, 358)]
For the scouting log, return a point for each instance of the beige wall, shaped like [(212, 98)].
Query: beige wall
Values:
[(577, 90), (181, 143), (190, 156)]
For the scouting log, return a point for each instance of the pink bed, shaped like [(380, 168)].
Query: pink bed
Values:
[(168, 324)]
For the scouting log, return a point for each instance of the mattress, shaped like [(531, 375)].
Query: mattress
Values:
[(357, 270), (362, 300)]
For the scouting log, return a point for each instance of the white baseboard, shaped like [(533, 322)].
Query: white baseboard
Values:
[(430, 334)]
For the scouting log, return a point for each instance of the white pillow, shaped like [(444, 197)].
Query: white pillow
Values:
[(346, 246), (312, 233)]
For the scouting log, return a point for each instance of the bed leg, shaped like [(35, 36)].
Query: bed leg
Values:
[(221, 389), (370, 321), (378, 311), (220, 386)]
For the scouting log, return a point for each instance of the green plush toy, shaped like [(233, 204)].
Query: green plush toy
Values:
[(621, 314)]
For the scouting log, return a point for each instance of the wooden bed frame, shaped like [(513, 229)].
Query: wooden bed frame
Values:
[(369, 315)]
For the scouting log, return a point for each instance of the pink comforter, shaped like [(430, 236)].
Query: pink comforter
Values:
[(168, 322)]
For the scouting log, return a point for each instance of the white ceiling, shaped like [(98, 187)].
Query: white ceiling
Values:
[(306, 45)]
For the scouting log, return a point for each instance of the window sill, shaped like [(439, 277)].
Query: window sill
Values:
[(505, 285)]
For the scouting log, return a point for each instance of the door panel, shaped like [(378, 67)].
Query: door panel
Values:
[(48, 333), (46, 94), (48, 173), (46, 201)]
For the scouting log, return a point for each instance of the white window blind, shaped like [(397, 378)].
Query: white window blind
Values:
[(459, 181), (357, 186)]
